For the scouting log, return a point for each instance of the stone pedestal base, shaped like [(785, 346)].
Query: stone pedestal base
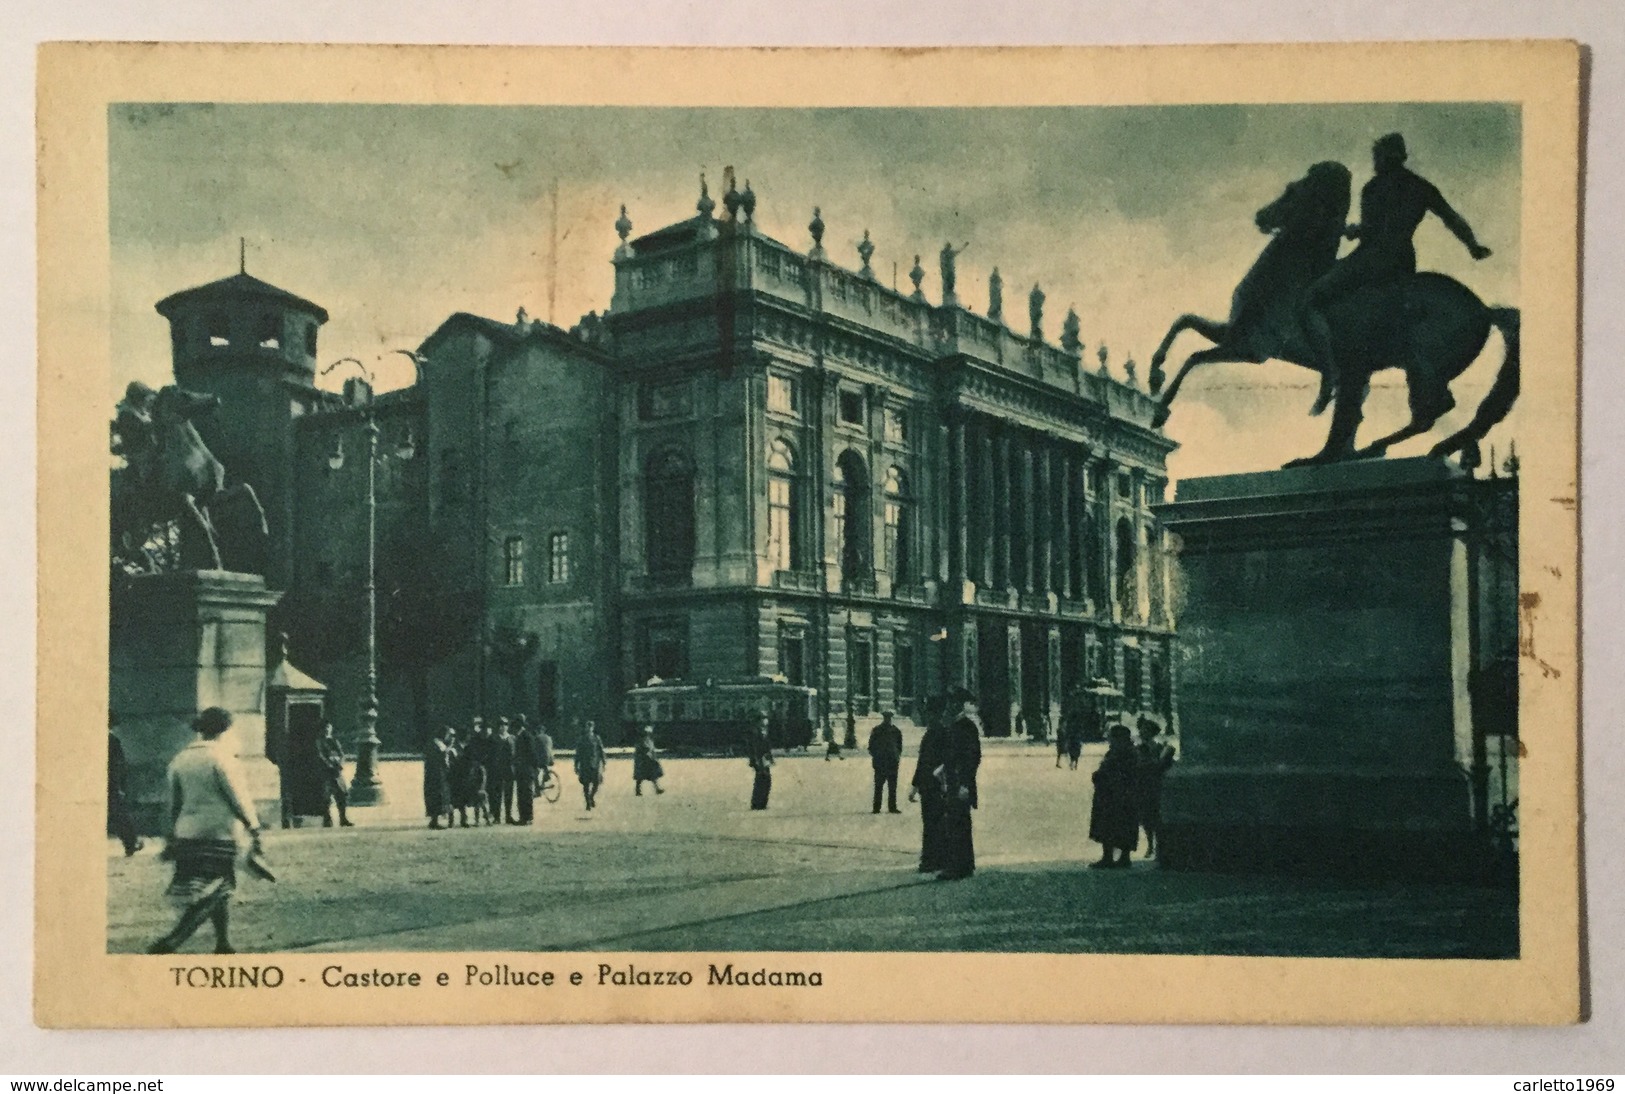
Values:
[(1322, 665), (181, 642)]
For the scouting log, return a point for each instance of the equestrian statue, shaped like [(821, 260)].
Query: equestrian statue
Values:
[(1349, 318), (171, 508)]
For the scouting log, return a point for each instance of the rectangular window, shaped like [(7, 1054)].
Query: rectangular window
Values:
[(793, 656), (860, 673), (903, 671), (219, 329), (513, 560), (1125, 487), (659, 401), (270, 332), (547, 689), (558, 558), (665, 652), (851, 407), (896, 426), (783, 395), (779, 535)]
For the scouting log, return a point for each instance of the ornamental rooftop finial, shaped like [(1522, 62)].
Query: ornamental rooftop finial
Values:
[(705, 205)]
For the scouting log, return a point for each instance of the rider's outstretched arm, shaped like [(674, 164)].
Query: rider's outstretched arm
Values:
[(1458, 226)]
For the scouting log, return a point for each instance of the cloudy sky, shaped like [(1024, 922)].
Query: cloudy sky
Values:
[(395, 217)]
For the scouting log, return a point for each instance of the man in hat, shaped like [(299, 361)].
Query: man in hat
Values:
[(501, 774), (120, 821), (526, 766), (885, 755), (590, 761), (961, 756), (1392, 206)]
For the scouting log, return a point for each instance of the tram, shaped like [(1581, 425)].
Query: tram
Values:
[(718, 716)]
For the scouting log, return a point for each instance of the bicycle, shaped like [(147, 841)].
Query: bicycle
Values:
[(550, 787)]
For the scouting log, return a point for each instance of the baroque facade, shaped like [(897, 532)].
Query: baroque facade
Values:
[(756, 462)]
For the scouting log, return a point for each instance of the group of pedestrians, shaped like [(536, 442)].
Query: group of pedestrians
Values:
[(493, 773), (1128, 794)]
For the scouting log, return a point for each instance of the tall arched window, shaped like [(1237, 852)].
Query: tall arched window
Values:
[(1128, 592), (783, 509), (899, 528), (668, 516), (851, 515)]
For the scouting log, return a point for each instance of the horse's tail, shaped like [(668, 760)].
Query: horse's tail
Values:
[(1498, 402)]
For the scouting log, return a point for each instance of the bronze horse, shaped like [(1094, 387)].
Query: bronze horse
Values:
[(172, 479), (1428, 324)]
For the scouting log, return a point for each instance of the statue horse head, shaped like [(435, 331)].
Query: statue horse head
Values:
[(1316, 203)]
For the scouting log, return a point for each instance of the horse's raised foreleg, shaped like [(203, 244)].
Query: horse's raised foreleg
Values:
[(1207, 356), (1211, 329)]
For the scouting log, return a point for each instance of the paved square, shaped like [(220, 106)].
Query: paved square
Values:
[(695, 869)]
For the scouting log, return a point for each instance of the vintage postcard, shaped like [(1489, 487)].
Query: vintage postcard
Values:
[(788, 535)]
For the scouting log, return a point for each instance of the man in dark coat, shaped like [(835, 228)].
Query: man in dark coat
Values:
[(334, 788), (1112, 820), (962, 755), (885, 754), (120, 822), (501, 775), (589, 762), (926, 787), (525, 766), (437, 759), (760, 757)]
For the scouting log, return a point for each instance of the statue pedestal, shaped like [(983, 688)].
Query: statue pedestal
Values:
[(1322, 668), (181, 642)]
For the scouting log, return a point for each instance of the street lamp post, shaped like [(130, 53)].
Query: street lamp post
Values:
[(365, 787)]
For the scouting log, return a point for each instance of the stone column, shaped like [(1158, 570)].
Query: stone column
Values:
[(984, 502), (958, 541), (1069, 554), (1044, 523), (1001, 499), (1029, 524)]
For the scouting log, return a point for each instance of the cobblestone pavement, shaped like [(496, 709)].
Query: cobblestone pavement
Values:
[(695, 869)]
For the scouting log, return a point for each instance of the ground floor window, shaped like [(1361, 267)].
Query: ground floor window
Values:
[(793, 656)]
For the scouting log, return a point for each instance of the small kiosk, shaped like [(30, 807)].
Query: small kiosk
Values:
[(295, 711)]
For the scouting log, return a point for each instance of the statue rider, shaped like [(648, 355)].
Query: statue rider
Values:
[(1392, 206), (132, 425)]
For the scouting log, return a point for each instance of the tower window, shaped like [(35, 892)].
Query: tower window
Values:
[(310, 340), (558, 558), (218, 326), (270, 332), (513, 560)]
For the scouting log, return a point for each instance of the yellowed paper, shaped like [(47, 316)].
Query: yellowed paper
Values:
[(960, 168)]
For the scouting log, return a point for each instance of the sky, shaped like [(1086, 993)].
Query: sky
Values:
[(394, 217)]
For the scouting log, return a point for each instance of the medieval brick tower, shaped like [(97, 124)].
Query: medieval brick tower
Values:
[(253, 345)]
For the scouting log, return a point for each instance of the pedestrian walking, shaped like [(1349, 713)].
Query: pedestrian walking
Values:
[(760, 757), (962, 755), (1154, 757), (335, 790), (526, 763), (646, 767), (885, 755), (1112, 820), (590, 760), (437, 761), (545, 756), (120, 821), (926, 786), (501, 774), (210, 806), (832, 747)]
